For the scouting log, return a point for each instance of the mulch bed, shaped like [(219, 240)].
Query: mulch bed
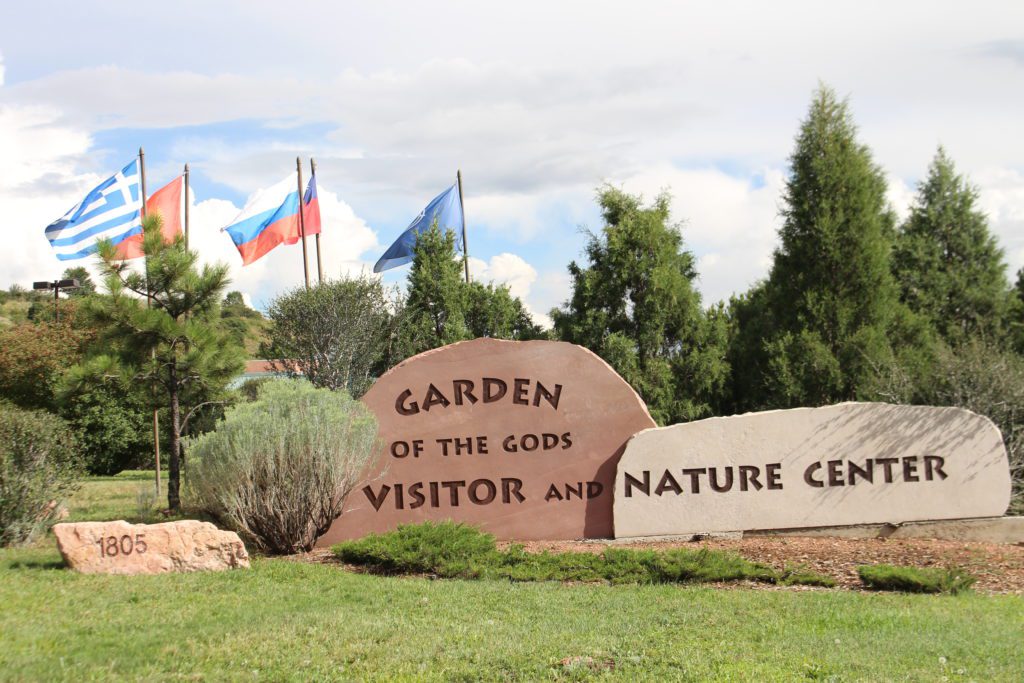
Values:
[(998, 567)]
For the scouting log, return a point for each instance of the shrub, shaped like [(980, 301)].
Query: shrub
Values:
[(983, 378), (39, 468), (338, 334), (451, 550), (278, 469), (112, 425), (447, 549), (887, 577)]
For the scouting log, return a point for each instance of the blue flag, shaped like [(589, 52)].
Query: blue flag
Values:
[(112, 210), (445, 208)]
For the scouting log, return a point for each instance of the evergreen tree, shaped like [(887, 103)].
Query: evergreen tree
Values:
[(947, 263), (492, 311), (176, 343), (820, 330), (636, 306), (437, 297), (1016, 314), (441, 308)]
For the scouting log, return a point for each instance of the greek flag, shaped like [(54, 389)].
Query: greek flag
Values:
[(111, 211)]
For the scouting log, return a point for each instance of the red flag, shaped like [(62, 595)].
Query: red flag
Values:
[(311, 208), (167, 202)]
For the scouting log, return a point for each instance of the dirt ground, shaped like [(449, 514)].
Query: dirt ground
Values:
[(999, 567)]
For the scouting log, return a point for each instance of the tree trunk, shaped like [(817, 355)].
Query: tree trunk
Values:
[(173, 460)]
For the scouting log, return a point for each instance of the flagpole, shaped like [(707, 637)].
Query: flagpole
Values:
[(186, 207), (465, 245), (319, 266), (156, 414), (302, 222)]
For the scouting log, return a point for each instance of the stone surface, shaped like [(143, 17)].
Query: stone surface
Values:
[(552, 440), (984, 530), (123, 548), (792, 469)]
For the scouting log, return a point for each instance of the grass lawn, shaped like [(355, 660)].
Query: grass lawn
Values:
[(287, 620)]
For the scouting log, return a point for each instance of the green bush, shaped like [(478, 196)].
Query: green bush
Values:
[(887, 577), (112, 425), (444, 548), (39, 468), (451, 550), (278, 469)]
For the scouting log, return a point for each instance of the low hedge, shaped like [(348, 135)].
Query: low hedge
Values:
[(452, 550)]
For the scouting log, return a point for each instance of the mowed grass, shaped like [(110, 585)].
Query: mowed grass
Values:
[(289, 620), (129, 495)]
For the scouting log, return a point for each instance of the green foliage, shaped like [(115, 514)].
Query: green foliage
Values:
[(246, 326), (177, 345), (447, 549), (492, 311), (887, 577), (1016, 314), (442, 309), (635, 304), (339, 334), (33, 356), (39, 467), (85, 287), (828, 318), (948, 265), (112, 424), (452, 550), (278, 469), (437, 298)]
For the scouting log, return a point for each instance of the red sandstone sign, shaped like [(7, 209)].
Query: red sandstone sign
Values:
[(519, 438)]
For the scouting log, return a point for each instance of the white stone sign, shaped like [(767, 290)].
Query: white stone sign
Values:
[(851, 463)]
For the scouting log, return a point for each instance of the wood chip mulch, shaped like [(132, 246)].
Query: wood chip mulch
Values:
[(999, 568)]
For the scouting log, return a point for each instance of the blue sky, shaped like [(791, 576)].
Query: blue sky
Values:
[(538, 103)]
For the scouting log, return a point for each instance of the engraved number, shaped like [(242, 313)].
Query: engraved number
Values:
[(112, 546)]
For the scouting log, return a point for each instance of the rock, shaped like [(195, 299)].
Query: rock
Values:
[(519, 438), (847, 464), (123, 548)]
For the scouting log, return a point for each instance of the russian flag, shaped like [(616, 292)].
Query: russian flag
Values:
[(270, 218), (168, 202)]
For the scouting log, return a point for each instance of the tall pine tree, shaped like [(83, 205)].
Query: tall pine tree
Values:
[(819, 330), (636, 306), (176, 344), (948, 265)]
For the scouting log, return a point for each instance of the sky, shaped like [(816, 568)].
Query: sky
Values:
[(539, 104)]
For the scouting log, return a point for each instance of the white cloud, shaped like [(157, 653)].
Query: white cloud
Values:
[(900, 196), (1002, 199), (38, 183)]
